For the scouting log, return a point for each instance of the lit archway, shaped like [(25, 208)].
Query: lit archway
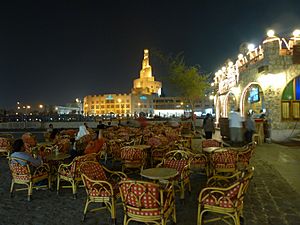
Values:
[(230, 103), (252, 98)]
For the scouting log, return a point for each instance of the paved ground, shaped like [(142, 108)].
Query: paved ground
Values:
[(273, 197)]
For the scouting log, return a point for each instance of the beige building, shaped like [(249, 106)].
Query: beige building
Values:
[(118, 104), (264, 78)]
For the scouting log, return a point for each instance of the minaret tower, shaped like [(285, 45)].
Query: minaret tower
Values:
[(146, 83)]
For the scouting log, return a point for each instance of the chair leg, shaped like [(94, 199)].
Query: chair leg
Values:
[(57, 185), (29, 191), (85, 209), (74, 189), (12, 188)]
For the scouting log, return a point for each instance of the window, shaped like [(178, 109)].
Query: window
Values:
[(290, 101)]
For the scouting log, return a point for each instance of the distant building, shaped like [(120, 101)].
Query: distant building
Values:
[(144, 98)]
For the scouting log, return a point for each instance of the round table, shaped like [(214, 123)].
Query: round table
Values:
[(159, 173), (57, 157), (211, 149), (141, 146)]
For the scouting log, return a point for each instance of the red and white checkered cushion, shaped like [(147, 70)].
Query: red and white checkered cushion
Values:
[(145, 199), (210, 143)]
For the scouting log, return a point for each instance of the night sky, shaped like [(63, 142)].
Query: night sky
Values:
[(55, 51)]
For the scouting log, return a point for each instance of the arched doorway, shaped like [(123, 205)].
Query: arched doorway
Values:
[(252, 99), (230, 103), (290, 100)]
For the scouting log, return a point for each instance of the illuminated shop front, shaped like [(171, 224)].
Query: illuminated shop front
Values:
[(264, 78)]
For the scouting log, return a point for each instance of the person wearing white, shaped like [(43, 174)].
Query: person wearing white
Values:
[(235, 126), (82, 132)]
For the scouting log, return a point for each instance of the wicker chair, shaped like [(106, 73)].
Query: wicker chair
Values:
[(179, 160), (157, 154), (147, 202), (101, 186), (70, 172), (224, 161), (133, 158), (23, 174), (199, 163), (245, 154), (224, 196), (6, 141)]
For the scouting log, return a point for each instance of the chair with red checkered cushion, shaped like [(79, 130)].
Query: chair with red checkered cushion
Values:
[(211, 143), (23, 174), (6, 141), (147, 202), (158, 153), (245, 155), (101, 186), (70, 172), (224, 161), (133, 157), (199, 163), (225, 197), (179, 160)]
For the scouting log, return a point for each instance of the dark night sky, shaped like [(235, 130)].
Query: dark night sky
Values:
[(52, 52)]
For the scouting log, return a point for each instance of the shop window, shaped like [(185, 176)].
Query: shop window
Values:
[(290, 102)]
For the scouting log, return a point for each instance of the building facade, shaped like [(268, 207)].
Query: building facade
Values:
[(265, 78)]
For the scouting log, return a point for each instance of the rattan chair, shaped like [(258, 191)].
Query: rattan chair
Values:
[(245, 154), (147, 202), (70, 172), (133, 158), (101, 186), (179, 160), (224, 161), (6, 141), (224, 197), (23, 174)]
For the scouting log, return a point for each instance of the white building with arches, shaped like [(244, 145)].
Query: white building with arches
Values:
[(264, 78)]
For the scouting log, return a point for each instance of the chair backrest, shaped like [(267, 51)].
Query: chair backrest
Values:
[(77, 161), (93, 171), (177, 159), (145, 198), (5, 144), (19, 169), (244, 155), (133, 153)]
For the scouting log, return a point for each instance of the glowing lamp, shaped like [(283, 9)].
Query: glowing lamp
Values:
[(240, 56), (296, 33), (230, 63), (270, 33), (251, 47)]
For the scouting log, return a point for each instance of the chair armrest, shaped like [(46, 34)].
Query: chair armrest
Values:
[(41, 169), (115, 175), (65, 166)]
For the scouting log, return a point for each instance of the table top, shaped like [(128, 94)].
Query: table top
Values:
[(211, 149), (159, 173), (141, 146), (187, 135), (57, 157)]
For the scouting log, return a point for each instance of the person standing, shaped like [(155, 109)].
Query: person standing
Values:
[(250, 128), (235, 127), (208, 126)]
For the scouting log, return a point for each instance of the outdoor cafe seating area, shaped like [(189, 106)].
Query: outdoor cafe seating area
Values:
[(146, 171)]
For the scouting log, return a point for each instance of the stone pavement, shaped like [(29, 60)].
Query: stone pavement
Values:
[(273, 197)]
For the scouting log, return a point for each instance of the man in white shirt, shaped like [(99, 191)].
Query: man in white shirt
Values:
[(235, 127)]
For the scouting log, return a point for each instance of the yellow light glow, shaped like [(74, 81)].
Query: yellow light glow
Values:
[(272, 80), (236, 91), (270, 33), (230, 63), (240, 56), (28, 107), (139, 104), (181, 103), (18, 107), (211, 97), (41, 106), (251, 47), (224, 68), (212, 84), (296, 33), (119, 100)]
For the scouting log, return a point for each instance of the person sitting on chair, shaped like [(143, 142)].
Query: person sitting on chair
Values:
[(18, 152)]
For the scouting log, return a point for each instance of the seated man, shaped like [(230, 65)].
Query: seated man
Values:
[(18, 152)]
